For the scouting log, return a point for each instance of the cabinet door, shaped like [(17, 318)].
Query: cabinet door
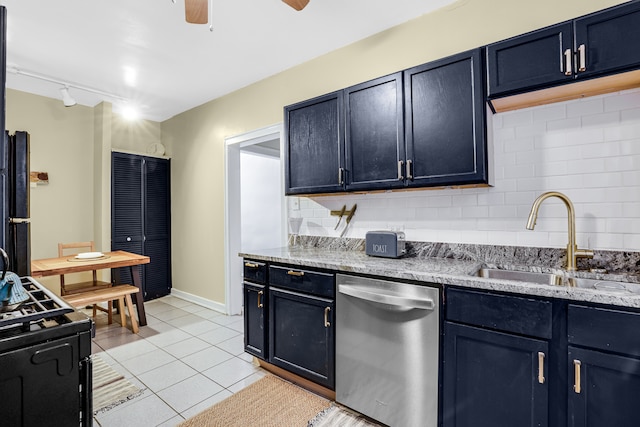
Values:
[(608, 391), (533, 60), (493, 379), (610, 39), (301, 335), (445, 121), (374, 144), (255, 303), (314, 145)]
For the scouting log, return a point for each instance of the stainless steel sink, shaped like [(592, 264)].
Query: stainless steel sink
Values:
[(520, 276), (604, 285)]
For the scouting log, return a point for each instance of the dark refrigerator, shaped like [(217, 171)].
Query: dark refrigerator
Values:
[(15, 234), (14, 179)]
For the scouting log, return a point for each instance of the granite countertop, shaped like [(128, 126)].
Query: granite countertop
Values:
[(445, 271)]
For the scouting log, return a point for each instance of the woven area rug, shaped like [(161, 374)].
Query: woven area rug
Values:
[(110, 388), (342, 417), (269, 402)]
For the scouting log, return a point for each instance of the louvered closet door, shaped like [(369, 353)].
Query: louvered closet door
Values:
[(157, 221), (141, 218), (126, 209)]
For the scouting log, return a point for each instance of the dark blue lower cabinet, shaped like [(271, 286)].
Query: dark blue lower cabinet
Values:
[(255, 319), (302, 335), (604, 389), (493, 379)]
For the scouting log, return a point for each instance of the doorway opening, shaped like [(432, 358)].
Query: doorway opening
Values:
[(255, 208)]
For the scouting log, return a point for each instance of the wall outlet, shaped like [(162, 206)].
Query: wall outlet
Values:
[(295, 203)]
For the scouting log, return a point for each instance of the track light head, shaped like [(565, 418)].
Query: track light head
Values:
[(67, 99)]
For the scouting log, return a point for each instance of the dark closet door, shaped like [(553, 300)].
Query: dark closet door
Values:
[(157, 225), (140, 218)]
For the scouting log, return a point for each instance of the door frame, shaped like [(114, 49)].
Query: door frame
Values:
[(232, 209)]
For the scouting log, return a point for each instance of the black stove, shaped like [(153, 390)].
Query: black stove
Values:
[(41, 305), (45, 345)]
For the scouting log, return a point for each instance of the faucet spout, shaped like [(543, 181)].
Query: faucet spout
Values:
[(572, 250)]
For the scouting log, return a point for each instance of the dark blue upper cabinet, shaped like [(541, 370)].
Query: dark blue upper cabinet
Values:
[(595, 45), (445, 113), (314, 145), (374, 141), (608, 41), (537, 59)]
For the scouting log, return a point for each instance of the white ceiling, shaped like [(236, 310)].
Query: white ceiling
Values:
[(145, 52)]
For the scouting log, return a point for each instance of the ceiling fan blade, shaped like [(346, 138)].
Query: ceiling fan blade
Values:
[(297, 4), (196, 11)]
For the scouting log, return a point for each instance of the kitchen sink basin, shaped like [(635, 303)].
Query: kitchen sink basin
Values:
[(604, 285), (521, 276)]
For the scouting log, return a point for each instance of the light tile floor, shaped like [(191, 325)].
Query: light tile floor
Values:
[(187, 358)]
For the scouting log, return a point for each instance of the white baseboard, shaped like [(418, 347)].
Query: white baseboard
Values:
[(213, 305)]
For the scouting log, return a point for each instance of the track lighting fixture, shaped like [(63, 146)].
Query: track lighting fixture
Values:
[(67, 99)]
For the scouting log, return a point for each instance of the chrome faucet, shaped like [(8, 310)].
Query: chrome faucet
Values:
[(572, 250)]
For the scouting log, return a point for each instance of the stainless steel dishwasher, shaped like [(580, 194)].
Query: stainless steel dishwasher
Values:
[(387, 339)]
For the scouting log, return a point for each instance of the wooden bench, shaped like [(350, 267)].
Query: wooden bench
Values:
[(121, 293)]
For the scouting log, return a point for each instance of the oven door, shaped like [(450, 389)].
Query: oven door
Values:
[(40, 383)]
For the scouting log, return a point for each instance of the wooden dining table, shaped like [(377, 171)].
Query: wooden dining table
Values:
[(116, 259)]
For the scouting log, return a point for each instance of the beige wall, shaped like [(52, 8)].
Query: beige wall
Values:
[(198, 135), (74, 146)]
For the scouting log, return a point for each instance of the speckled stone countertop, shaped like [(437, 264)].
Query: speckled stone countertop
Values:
[(348, 256)]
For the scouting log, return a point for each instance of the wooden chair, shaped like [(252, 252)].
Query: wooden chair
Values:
[(72, 249)]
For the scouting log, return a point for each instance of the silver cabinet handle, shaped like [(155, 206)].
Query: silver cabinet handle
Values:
[(541, 367), (384, 298), (400, 164), (326, 317), (576, 381), (568, 59), (340, 176), (582, 58), (409, 169)]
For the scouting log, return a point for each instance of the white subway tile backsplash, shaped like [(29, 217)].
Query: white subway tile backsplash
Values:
[(613, 179), (590, 106), (503, 211), (475, 211), (588, 149), (631, 242), (517, 118), (622, 101), (564, 124), (550, 112), (601, 120)]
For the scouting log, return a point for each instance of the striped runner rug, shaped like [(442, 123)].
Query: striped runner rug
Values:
[(335, 416), (110, 388)]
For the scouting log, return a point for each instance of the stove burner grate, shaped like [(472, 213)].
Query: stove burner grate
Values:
[(42, 304)]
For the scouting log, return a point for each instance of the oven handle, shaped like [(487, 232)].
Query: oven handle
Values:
[(384, 298)]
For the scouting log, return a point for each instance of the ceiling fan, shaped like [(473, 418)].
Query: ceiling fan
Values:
[(196, 10)]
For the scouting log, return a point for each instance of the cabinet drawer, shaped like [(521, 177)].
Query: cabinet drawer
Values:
[(312, 282), (507, 313), (255, 271), (604, 329)]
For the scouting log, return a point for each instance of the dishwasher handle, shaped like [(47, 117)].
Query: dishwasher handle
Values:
[(381, 297)]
